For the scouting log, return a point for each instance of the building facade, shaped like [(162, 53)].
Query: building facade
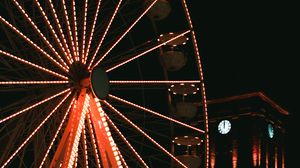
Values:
[(247, 131)]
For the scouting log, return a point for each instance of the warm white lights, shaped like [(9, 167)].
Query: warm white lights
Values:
[(32, 82), (105, 32), (145, 134), (53, 31), (69, 28), (145, 52), (152, 82), (93, 140), (33, 106), (62, 36), (124, 34), (56, 133), (126, 141), (40, 33), (32, 43), (194, 40), (155, 113), (92, 32), (35, 130)]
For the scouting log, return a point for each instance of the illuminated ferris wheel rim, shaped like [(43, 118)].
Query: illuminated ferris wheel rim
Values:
[(78, 74)]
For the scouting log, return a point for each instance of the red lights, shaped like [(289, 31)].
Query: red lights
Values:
[(34, 45), (35, 130), (155, 113), (105, 32), (143, 53), (92, 32), (33, 106), (124, 34), (145, 134)]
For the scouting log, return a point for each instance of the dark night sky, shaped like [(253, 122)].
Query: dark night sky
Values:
[(250, 46)]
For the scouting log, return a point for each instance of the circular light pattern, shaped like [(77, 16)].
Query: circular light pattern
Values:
[(224, 126), (187, 140), (179, 41), (183, 89)]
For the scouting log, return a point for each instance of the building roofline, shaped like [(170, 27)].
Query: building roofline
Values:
[(261, 95)]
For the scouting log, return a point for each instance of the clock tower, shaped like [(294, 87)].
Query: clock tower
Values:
[(247, 131)]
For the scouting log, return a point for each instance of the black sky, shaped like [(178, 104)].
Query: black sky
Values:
[(251, 46)]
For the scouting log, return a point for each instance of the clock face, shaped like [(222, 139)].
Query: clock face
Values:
[(224, 126), (270, 131)]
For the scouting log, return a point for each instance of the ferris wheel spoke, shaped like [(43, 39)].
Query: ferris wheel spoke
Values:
[(39, 32), (151, 82), (147, 51), (75, 30), (68, 146), (122, 159), (92, 134), (32, 82), (106, 144), (92, 31), (126, 141), (105, 32), (85, 150), (56, 133), (33, 106), (18, 58), (69, 30), (124, 34), (61, 33), (143, 133), (35, 131), (155, 113), (32, 43), (84, 31), (53, 31)]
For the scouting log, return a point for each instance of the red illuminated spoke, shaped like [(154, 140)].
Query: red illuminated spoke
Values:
[(142, 132), (126, 141), (84, 31), (187, 14), (155, 113), (33, 106), (32, 82), (39, 32), (86, 157), (147, 51), (53, 31), (75, 30), (32, 43), (61, 34), (78, 127), (88, 118), (17, 58), (92, 32), (35, 130), (56, 133), (122, 159), (105, 32), (69, 28), (152, 82), (124, 34)]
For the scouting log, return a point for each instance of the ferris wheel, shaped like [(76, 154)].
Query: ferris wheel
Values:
[(103, 83)]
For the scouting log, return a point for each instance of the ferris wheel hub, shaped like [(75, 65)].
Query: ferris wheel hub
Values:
[(99, 83), (79, 74)]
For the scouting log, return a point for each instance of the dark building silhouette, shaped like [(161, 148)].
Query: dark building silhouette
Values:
[(247, 131)]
